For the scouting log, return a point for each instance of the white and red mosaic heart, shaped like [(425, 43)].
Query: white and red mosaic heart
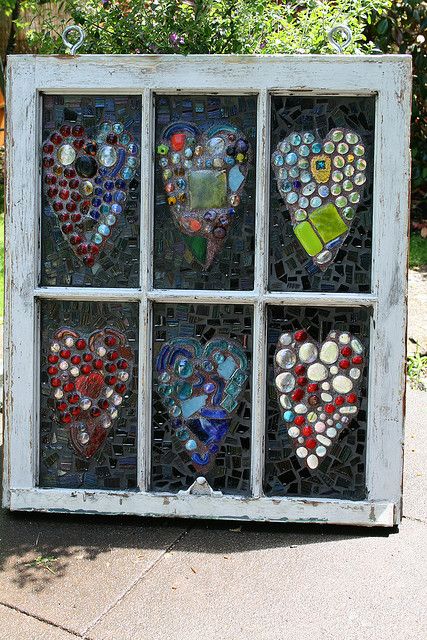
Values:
[(89, 377), (318, 387), (86, 183)]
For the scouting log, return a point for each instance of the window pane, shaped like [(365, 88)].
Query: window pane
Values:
[(201, 396), (90, 191), (317, 401), (321, 194), (89, 384), (205, 192)]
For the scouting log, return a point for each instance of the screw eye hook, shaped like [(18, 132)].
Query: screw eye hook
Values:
[(343, 29), (69, 46)]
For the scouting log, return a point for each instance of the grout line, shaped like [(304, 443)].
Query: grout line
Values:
[(40, 619), (414, 519), (138, 579)]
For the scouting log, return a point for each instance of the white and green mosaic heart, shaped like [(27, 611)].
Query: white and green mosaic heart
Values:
[(321, 182)]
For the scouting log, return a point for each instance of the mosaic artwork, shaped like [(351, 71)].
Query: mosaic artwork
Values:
[(88, 412), (90, 159), (317, 386), (200, 387), (201, 410), (321, 183), (89, 377), (321, 219), (203, 176), (309, 350), (205, 192)]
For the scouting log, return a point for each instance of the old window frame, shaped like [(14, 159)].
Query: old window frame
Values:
[(388, 78)]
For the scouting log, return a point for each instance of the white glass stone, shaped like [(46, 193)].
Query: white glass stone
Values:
[(109, 392), (123, 376), (324, 256), (215, 145), (69, 341), (348, 410), (319, 427), (63, 365), (101, 351), (300, 408), (336, 416), (308, 352), (286, 358), (312, 461), (86, 188), (329, 422), (321, 451), (83, 437), (326, 397), (312, 416), (58, 394), (326, 386), (344, 338), (354, 373), (106, 422), (356, 345), (66, 154), (331, 432), (85, 403), (74, 371), (309, 188), (117, 399), (293, 432), (107, 156), (342, 384), (301, 452), (285, 382), (285, 339), (329, 352), (323, 416), (55, 347), (323, 440), (285, 402), (333, 370), (317, 372), (113, 413)]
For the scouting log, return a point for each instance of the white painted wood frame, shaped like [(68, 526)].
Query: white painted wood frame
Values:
[(388, 78)]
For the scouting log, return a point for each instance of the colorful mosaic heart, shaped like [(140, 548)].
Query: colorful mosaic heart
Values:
[(86, 183), (200, 387), (321, 183), (203, 176), (89, 377), (318, 388)]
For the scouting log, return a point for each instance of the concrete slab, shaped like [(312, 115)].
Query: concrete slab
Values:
[(70, 569), (279, 585), (17, 625), (417, 304), (415, 468)]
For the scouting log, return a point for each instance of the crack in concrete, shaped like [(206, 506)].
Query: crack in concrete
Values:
[(40, 619), (137, 580), (414, 519)]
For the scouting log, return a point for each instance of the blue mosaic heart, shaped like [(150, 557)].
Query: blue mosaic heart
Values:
[(200, 387)]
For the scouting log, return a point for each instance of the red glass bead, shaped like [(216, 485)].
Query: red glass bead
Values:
[(75, 411), (67, 228), (52, 371), (56, 138), (66, 418), (73, 398), (301, 381), (110, 341), (84, 207), (310, 443), (86, 368), (76, 197), (87, 357), (63, 217), (65, 353), (89, 261), (82, 249), (48, 162), (57, 206), (103, 404), (63, 194), (95, 412), (110, 367), (329, 408), (352, 398), (93, 249), (339, 400), (307, 431), (300, 369), (52, 192), (98, 364), (122, 364), (112, 355), (299, 420), (357, 360), (296, 395), (76, 360), (74, 183), (76, 217), (63, 183), (346, 351), (61, 406), (78, 144), (344, 364), (121, 387), (50, 179), (300, 335), (48, 148), (65, 130), (78, 130), (312, 387), (110, 380), (75, 239), (69, 173), (53, 359), (68, 386), (81, 344), (55, 382)]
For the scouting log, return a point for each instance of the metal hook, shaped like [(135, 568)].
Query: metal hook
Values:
[(69, 46), (341, 28)]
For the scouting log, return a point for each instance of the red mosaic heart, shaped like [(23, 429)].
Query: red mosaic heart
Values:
[(89, 377), (318, 387), (86, 183)]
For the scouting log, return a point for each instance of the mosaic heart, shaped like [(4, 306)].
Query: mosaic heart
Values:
[(321, 183), (86, 183), (200, 387), (203, 176), (89, 377), (318, 387)]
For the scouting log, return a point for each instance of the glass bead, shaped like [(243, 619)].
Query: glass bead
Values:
[(307, 352), (348, 213), (308, 137), (66, 154), (86, 166), (337, 176), (347, 185), (125, 139), (303, 163), (294, 172), (104, 230), (324, 257), (285, 147), (349, 170), (285, 358), (285, 382), (329, 147), (354, 197), (341, 201), (309, 189), (303, 203), (97, 238), (304, 150), (131, 162), (315, 202), (359, 179), (118, 128), (86, 188), (278, 160), (360, 164), (127, 173), (295, 139), (339, 162), (107, 156), (337, 135), (291, 158), (359, 150), (110, 220), (342, 147), (292, 197), (116, 208), (305, 176), (352, 138), (285, 186), (323, 191), (316, 147)]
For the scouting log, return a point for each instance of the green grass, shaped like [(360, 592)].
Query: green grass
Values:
[(417, 370), (417, 251)]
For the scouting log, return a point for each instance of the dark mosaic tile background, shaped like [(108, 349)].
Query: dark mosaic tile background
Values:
[(118, 263), (341, 474), (351, 270), (171, 467), (234, 264), (114, 465)]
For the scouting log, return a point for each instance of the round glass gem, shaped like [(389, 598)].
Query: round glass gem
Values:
[(293, 432), (347, 185), (359, 150), (354, 373), (324, 256), (118, 127), (133, 148), (342, 147), (301, 452), (354, 197), (359, 179), (339, 162), (329, 147), (107, 156), (292, 197), (312, 461), (323, 191), (285, 339), (86, 188), (337, 135), (291, 158), (300, 214), (308, 352), (305, 176), (175, 411), (336, 189), (295, 139), (288, 416), (285, 186), (104, 230), (361, 164), (317, 372), (308, 137), (284, 401), (315, 202), (337, 176), (348, 213), (309, 188), (356, 345), (282, 173), (304, 150), (294, 172), (128, 173), (341, 201), (66, 154), (303, 163), (278, 160), (116, 208), (183, 368), (285, 147), (342, 384), (348, 170), (286, 358), (285, 382), (131, 162), (352, 138), (125, 139), (105, 127), (329, 352), (97, 238), (86, 166), (110, 220), (163, 162), (183, 390), (316, 147)]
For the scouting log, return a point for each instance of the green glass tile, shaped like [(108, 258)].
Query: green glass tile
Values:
[(308, 239), (208, 189), (327, 222)]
